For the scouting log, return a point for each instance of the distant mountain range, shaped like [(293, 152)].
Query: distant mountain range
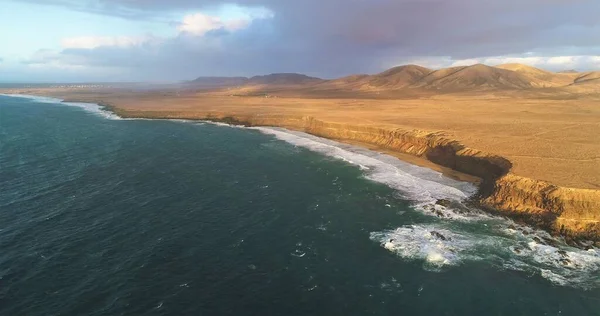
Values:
[(465, 78), (272, 79)]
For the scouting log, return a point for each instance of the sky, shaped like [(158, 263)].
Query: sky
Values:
[(173, 40)]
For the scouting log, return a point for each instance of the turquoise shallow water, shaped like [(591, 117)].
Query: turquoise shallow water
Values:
[(101, 216)]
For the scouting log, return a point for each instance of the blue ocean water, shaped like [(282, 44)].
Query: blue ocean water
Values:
[(105, 216)]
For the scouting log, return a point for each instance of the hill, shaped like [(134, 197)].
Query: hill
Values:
[(283, 79), (218, 81), (539, 77), (477, 76), (587, 76), (588, 82), (414, 79), (399, 77), (568, 71), (391, 79)]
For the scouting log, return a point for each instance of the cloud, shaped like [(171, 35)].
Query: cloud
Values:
[(200, 23), (338, 37), (554, 63), (90, 42)]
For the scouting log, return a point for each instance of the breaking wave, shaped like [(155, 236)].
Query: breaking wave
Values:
[(418, 184), (458, 233), (503, 244), (90, 107)]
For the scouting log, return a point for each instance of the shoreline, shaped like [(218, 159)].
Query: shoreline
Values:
[(418, 161), (568, 212)]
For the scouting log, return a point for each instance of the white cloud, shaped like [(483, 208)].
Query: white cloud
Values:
[(465, 62), (45, 58), (561, 60), (197, 24), (531, 60), (200, 24), (554, 63), (91, 42), (232, 18), (550, 62)]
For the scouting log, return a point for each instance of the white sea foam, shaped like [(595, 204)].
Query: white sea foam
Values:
[(555, 261), (437, 247), (448, 243), (455, 212), (95, 109), (35, 98), (536, 252), (416, 183), (89, 107)]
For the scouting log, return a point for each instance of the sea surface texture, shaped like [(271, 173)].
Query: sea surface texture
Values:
[(106, 216)]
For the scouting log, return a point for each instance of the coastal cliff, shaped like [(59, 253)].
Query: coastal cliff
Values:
[(570, 212), (573, 213)]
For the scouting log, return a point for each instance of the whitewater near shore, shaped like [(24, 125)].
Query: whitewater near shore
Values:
[(535, 157)]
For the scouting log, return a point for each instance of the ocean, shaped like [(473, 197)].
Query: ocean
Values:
[(107, 216)]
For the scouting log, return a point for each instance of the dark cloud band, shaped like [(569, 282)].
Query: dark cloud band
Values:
[(336, 37)]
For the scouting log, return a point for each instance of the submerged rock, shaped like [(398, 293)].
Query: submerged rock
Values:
[(437, 235), (550, 241), (585, 244), (444, 202), (587, 248), (538, 240), (564, 261)]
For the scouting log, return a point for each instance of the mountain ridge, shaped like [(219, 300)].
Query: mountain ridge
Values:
[(477, 77)]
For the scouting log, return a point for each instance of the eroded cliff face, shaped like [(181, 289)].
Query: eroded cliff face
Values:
[(574, 213), (571, 212)]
